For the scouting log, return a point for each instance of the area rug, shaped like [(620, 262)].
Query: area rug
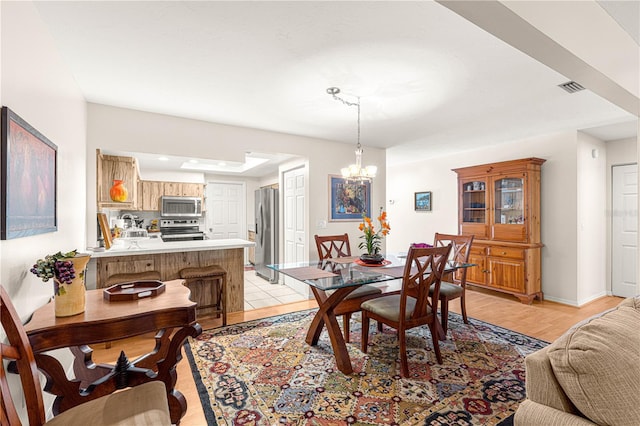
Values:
[(263, 373)]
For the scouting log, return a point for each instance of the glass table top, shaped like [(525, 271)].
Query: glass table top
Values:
[(336, 273)]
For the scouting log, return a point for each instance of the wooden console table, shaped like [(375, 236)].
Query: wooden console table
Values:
[(171, 314)]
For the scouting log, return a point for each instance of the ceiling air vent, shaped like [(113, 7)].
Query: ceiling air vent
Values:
[(571, 86)]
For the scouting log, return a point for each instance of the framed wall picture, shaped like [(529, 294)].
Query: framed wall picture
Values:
[(348, 200), (28, 168), (422, 201)]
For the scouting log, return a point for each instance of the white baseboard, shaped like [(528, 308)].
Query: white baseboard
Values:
[(578, 303)]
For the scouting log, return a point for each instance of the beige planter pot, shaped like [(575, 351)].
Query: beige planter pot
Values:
[(70, 298)]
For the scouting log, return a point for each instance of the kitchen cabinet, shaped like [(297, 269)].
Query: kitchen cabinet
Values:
[(150, 195), (499, 203), (110, 168), (149, 192), (173, 189)]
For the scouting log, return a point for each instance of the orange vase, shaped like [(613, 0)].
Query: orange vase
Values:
[(118, 192)]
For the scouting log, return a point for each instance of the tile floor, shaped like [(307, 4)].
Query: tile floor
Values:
[(259, 293)]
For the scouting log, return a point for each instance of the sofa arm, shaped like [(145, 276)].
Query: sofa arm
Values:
[(542, 385), (531, 413)]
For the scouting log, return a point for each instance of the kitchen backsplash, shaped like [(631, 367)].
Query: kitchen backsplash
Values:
[(147, 216)]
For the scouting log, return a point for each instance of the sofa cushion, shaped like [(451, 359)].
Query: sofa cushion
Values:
[(597, 364)]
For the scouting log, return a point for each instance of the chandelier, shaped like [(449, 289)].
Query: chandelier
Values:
[(354, 172)]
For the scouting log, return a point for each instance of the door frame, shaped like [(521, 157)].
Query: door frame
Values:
[(242, 209), (611, 228), (282, 170)]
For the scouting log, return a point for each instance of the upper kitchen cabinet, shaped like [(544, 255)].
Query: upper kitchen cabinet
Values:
[(150, 191), (111, 168), (182, 189), (149, 195)]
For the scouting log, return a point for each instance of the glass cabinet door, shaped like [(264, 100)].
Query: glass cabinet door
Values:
[(474, 218), (474, 202), (509, 201)]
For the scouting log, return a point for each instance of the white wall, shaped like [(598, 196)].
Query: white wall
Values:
[(558, 206), (592, 226), (120, 129), (36, 85)]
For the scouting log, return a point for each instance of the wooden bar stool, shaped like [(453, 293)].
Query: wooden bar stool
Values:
[(197, 277)]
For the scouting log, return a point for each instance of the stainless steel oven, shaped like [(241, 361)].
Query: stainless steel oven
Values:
[(180, 230), (180, 206)]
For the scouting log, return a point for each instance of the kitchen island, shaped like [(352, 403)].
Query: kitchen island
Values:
[(169, 258)]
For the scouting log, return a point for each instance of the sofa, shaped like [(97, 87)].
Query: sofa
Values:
[(588, 376)]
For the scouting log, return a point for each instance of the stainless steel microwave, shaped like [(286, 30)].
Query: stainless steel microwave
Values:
[(180, 206)]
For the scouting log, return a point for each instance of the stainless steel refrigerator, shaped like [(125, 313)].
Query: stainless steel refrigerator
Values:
[(266, 233)]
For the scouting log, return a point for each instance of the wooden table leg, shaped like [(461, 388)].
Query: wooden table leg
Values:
[(326, 316)]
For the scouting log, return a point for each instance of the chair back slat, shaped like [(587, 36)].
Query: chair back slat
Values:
[(19, 350), (424, 268), (331, 246), (460, 250)]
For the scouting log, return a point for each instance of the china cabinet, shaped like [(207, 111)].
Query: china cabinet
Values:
[(499, 203)]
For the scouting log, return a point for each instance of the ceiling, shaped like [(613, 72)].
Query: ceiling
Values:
[(429, 81)]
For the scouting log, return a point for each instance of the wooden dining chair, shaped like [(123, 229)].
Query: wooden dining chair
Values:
[(455, 284), (144, 404), (332, 246), (414, 306)]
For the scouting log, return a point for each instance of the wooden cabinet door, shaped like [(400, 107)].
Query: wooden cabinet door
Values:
[(111, 168), (172, 189), (509, 212), (193, 190), (507, 274), (477, 274), (474, 207), (151, 192)]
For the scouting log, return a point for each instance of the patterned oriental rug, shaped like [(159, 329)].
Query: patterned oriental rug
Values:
[(263, 373)]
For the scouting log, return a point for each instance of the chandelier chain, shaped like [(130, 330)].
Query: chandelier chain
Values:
[(356, 104)]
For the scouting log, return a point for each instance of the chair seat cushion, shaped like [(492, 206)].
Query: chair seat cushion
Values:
[(448, 290), (389, 307), (365, 290), (141, 405)]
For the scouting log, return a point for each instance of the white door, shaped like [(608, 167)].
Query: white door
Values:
[(624, 234), (226, 211), (294, 221)]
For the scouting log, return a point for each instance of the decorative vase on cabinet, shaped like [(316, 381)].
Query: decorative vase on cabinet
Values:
[(118, 191)]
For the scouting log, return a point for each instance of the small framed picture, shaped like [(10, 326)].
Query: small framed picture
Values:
[(423, 201)]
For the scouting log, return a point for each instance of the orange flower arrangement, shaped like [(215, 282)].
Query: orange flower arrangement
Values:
[(372, 238)]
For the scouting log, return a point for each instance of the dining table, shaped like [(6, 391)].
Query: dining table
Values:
[(343, 275)]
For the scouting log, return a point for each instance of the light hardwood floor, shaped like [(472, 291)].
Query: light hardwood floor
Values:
[(543, 320)]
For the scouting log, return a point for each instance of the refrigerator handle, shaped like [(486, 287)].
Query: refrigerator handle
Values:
[(260, 226)]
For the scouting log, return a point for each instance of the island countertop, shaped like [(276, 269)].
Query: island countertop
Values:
[(158, 247), (169, 258)]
